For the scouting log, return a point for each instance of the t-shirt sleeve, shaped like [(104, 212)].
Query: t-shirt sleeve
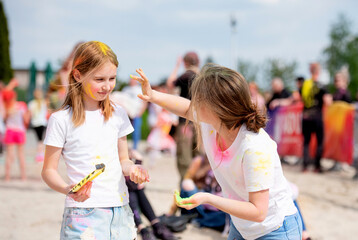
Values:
[(55, 133), (125, 126), (258, 168)]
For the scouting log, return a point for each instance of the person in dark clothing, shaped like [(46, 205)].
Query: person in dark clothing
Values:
[(139, 203), (314, 96), (341, 84), (184, 134), (280, 95)]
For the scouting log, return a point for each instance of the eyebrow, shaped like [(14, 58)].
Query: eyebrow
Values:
[(113, 76)]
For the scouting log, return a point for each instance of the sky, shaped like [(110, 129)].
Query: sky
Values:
[(152, 34)]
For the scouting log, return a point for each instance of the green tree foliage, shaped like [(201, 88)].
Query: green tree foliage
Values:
[(248, 70), (5, 65), (282, 69), (343, 51)]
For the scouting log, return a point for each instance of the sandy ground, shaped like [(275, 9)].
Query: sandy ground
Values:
[(30, 210)]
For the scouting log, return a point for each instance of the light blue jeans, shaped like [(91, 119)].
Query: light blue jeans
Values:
[(111, 223), (291, 229)]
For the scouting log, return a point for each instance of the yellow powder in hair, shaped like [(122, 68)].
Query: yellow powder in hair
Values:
[(104, 48)]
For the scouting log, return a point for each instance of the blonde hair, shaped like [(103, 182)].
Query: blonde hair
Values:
[(88, 57), (227, 94)]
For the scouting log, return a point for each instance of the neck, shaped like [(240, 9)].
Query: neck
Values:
[(90, 104), (225, 137)]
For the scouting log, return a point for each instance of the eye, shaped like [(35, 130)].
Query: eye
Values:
[(112, 79), (99, 79)]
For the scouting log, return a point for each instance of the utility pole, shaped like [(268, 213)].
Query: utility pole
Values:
[(233, 42)]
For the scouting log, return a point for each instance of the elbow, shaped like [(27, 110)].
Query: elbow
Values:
[(260, 217)]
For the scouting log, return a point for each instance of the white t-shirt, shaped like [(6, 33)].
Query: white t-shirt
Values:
[(38, 114), (250, 164), (15, 120), (93, 142)]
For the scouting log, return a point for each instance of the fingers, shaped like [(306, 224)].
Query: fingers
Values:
[(83, 194), (141, 73), (143, 97), (139, 175), (142, 79)]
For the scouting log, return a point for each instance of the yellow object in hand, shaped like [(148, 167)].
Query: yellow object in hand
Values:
[(178, 199), (99, 169)]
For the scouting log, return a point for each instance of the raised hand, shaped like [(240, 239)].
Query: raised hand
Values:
[(146, 88)]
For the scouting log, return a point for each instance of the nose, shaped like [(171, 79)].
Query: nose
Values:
[(107, 86)]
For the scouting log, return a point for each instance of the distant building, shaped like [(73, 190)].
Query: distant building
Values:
[(23, 76)]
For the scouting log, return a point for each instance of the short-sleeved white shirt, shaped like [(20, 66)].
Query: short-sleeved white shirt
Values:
[(250, 164), (38, 114), (91, 143)]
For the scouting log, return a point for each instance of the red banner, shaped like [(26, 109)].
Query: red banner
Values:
[(286, 129)]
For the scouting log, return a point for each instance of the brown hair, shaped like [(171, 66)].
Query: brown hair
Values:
[(88, 57), (227, 94), (191, 59)]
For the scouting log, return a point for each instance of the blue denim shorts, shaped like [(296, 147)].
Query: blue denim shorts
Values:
[(98, 223), (291, 229)]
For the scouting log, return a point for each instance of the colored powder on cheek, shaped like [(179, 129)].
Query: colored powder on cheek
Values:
[(89, 91)]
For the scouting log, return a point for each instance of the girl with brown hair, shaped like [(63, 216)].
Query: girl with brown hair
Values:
[(242, 155)]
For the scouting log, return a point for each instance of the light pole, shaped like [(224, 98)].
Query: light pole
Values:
[(232, 42)]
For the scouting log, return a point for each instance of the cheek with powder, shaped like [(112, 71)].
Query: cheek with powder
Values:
[(89, 90)]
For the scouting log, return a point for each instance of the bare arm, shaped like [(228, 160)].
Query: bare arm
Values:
[(172, 103), (136, 172), (53, 179), (50, 170), (254, 210), (174, 74)]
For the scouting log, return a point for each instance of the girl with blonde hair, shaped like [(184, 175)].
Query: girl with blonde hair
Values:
[(89, 130)]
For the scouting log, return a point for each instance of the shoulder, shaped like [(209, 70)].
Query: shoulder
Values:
[(61, 115), (259, 141), (118, 110)]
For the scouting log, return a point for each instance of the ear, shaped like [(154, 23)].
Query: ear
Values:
[(76, 75)]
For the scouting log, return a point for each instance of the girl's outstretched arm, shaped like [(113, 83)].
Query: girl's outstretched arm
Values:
[(254, 210), (136, 172), (172, 103)]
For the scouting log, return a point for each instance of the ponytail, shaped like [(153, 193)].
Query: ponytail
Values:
[(255, 120)]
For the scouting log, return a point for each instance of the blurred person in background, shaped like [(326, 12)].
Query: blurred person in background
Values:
[(140, 204), (341, 93), (132, 90), (256, 96), (16, 121), (2, 116), (341, 88), (38, 113), (280, 95), (314, 97), (184, 134), (160, 121)]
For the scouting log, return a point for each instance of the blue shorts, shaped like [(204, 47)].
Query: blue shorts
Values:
[(98, 223), (291, 229)]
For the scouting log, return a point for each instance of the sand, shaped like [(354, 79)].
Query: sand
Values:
[(30, 210)]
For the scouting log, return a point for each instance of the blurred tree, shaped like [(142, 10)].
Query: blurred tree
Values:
[(343, 51), (248, 70), (6, 72), (352, 60), (335, 52), (209, 59), (282, 69)]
